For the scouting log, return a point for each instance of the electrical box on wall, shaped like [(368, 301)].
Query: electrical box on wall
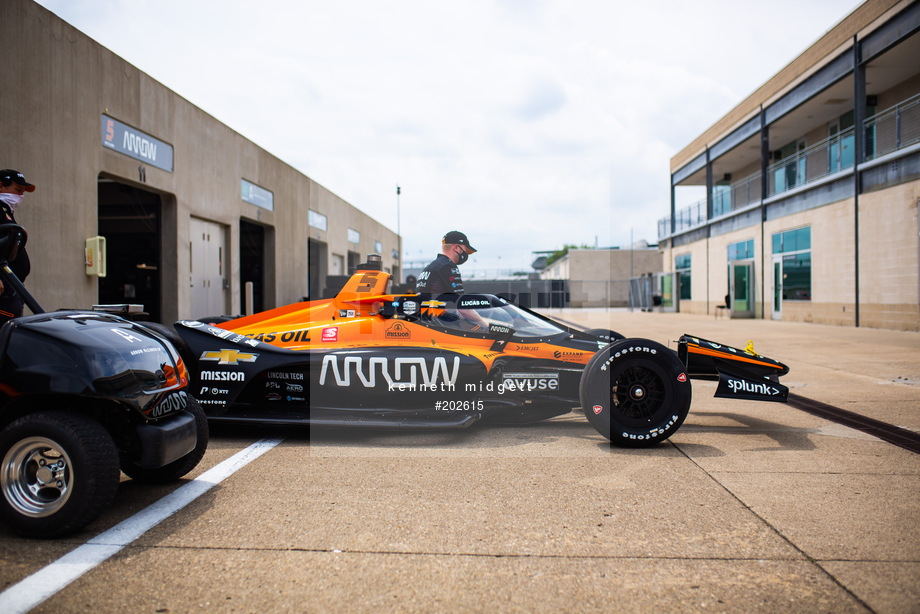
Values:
[(94, 256)]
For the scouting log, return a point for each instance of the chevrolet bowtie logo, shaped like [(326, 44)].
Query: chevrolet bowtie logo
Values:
[(434, 304), (228, 357)]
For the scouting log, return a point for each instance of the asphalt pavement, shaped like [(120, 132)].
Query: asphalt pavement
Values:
[(748, 507)]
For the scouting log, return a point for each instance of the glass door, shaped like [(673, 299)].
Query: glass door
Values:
[(667, 292), (741, 289)]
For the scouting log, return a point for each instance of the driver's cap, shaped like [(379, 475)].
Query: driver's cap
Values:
[(16, 177), (455, 237)]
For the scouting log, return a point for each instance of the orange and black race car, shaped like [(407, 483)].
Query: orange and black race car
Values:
[(370, 358)]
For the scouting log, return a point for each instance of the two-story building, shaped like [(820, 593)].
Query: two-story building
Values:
[(811, 186)]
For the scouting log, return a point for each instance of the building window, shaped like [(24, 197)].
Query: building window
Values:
[(721, 199), (789, 171), (378, 247), (841, 147), (792, 250), (682, 268), (316, 220), (741, 251), (354, 236)]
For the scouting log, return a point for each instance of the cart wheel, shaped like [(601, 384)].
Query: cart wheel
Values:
[(59, 472), (178, 468), (635, 392)]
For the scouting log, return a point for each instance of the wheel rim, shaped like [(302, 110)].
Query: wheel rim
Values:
[(36, 477), (638, 395)]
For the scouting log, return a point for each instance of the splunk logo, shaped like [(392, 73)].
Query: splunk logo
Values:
[(403, 371), (740, 386)]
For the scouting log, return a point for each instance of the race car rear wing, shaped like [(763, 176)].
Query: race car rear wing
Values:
[(742, 374)]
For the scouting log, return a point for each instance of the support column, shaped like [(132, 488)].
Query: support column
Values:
[(708, 186), (764, 184), (859, 136), (673, 208)]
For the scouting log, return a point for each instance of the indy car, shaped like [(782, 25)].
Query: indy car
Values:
[(367, 357), (84, 396)]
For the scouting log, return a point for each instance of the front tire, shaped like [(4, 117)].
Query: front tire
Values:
[(59, 472), (635, 392), (178, 468)]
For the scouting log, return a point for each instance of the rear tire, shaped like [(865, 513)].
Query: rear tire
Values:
[(59, 472), (178, 468), (635, 392)]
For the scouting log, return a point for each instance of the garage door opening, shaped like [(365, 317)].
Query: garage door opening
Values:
[(252, 263), (317, 252), (130, 221)]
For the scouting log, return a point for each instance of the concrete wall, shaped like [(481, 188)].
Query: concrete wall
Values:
[(600, 277), (889, 250), (832, 264), (58, 84)]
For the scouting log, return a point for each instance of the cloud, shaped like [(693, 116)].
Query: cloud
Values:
[(542, 98)]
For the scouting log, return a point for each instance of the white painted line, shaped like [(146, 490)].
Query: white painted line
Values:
[(33, 590)]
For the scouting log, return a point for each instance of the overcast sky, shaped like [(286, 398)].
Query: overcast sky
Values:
[(527, 124)]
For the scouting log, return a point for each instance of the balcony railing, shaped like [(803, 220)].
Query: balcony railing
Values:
[(893, 129), (738, 195), (832, 155), (725, 199), (694, 215)]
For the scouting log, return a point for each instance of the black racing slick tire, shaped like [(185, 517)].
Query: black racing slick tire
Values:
[(178, 468), (59, 472), (635, 392)]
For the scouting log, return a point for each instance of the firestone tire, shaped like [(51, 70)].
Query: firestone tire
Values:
[(178, 468), (635, 392), (58, 472)]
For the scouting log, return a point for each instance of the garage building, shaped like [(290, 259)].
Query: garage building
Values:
[(189, 211)]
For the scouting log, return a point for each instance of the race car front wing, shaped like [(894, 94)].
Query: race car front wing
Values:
[(742, 374)]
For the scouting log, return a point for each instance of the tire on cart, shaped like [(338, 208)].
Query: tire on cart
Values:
[(635, 392), (59, 472)]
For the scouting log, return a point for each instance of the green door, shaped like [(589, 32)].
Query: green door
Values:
[(667, 292), (741, 278)]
